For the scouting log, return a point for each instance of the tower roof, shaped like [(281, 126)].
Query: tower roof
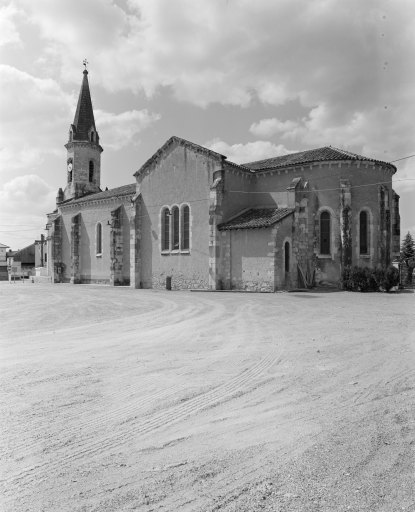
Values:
[(84, 115)]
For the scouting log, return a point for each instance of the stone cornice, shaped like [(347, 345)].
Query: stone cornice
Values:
[(83, 144), (106, 200), (330, 164)]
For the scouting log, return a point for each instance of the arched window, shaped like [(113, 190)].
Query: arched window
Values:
[(91, 171), (325, 232), (98, 239), (165, 229), (363, 232), (287, 256), (70, 166), (185, 242), (176, 227)]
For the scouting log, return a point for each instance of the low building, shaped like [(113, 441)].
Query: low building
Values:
[(3, 262)]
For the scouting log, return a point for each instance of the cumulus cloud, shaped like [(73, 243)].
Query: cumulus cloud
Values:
[(248, 152), (23, 203), (341, 60), (34, 114), (8, 29), (121, 130), (28, 193), (269, 127)]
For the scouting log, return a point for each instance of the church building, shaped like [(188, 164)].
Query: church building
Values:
[(193, 219)]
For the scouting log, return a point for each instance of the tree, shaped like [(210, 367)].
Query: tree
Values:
[(408, 256)]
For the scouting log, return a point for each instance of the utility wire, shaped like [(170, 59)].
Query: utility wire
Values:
[(403, 158)]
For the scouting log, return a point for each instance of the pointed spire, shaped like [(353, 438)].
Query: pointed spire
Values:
[(84, 115)]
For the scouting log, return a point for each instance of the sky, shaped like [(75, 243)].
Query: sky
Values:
[(248, 79)]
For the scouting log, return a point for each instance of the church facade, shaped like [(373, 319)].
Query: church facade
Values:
[(193, 219)]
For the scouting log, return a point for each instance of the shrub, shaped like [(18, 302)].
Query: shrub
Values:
[(362, 279)]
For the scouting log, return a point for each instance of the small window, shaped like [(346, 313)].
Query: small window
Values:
[(69, 176), (325, 233), (287, 256), (363, 233), (91, 171), (165, 229), (98, 241), (176, 227), (92, 136), (185, 228)]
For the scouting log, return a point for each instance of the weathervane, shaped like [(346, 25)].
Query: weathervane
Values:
[(85, 63)]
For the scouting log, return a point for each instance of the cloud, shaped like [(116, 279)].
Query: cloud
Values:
[(30, 194), (8, 30), (248, 152), (120, 130), (348, 63), (269, 127), (23, 203), (34, 114)]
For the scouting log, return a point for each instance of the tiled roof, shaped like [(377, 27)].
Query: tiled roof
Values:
[(256, 218), (312, 155), (84, 115), (3, 246), (125, 190), (26, 255)]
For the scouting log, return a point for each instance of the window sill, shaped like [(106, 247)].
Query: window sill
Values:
[(175, 251), (99, 255), (364, 256), (325, 256)]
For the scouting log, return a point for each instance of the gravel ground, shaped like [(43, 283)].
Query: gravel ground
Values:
[(121, 400)]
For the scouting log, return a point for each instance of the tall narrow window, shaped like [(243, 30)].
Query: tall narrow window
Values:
[(91, 171), (176, 227), (363, 233), (165, 229), (287, 256), (92, 136), (98, 239), (325, 233), (185, 228)]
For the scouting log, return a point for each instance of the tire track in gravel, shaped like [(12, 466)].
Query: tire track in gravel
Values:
[(239, 384), (89, 427), (128, 409)]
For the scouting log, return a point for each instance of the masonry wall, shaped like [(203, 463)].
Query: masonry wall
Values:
[(181, 176), (94, 268), (251, 266), (324, 183), (81, 153)]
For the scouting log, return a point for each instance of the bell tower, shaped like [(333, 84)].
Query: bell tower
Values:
[(83, 148)]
